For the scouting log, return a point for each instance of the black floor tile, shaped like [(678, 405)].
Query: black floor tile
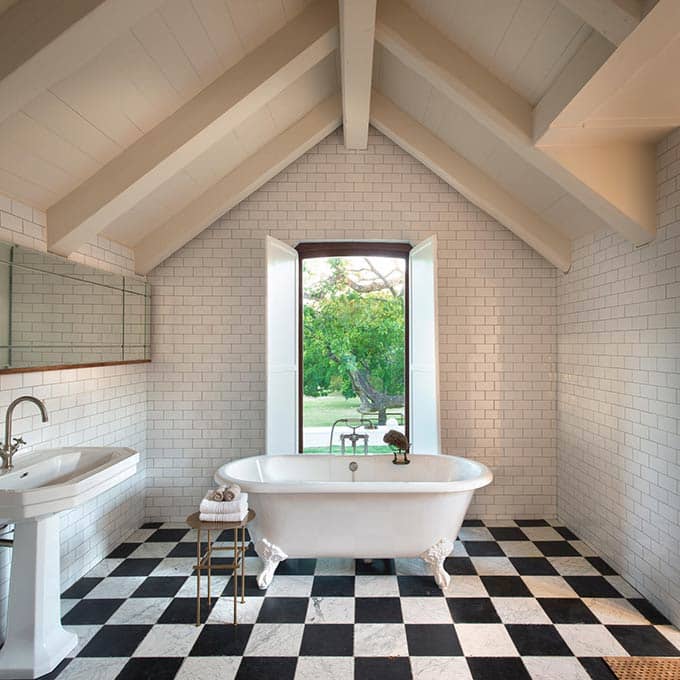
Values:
[(597, 668), (382, 668), (418, 586), (432, 640), (81, 588), (91, 612), (375, 567), (328, 639), (301, 567), (152, 525), (472, 610), (537, 640), (183, 610), (115, 641), (592, 586), (567, 534), (643, 641), (187, 549), (473, 523), (160, 586), (483, 549), (252, 589), (123, 551), (505, 586), (601, 566), (168, 536), (283, 610), (533, 566), (270, 668), (136, 567), (567, 610), (163, 668), (378, 610), (531, 523), (557, 548), (508, 534), (460, 566), (227, 536), (651, 613), (497, 669), (333, 586), (221, 640)]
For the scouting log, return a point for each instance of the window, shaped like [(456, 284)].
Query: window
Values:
[(411, 399), (353, 345)]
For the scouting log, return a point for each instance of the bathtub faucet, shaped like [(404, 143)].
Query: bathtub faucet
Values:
[(353, 424)]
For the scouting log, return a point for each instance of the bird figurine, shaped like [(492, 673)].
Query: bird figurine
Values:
[(399, 444)]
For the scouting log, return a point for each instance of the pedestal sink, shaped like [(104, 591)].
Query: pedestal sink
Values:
[(41, 485)]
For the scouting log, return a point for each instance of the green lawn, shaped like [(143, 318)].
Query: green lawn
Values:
[(321, 411)]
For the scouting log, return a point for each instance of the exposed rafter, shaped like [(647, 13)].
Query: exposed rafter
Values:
[(43, 42), (505, 114), (357, 35), (238, 184), (614, 19), (470, 181), (194, 128)]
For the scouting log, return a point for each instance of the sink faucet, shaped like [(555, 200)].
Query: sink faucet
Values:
[(9, 448)]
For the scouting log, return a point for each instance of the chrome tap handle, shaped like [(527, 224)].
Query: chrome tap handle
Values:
[(18, 442)]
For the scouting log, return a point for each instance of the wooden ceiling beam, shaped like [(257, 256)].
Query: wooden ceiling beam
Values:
[(194, 128), (357, 35), (504, 113), (470, 181), (228, 192), (613, 19), (43, 42)]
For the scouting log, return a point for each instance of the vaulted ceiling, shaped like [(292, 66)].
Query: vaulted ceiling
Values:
[(145, 121)]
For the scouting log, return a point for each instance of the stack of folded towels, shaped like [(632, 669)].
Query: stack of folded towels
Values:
[(224, 504)]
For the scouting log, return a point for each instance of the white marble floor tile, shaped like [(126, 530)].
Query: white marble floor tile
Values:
[(152, 550), (174, 639), (380, 639), (209, 667), (613, 611), (501, 523), (493, 566), (440, 668), (324, 668), (335, 566), (671, 633), (139, 536), (217, 586), (425, 610), (140, 610), (475, 534), (112, 587), (583, 548), (466, 586), (246, 612), (590, 640), (573, 566), (520, 610), (485, 639), (542, 534), (104, 568), (66, 605), (290, 586), (549, 586), (275, 639), (520, 549), (84, 633), (459, 550), (253, 566), (175, 566), (555, 668), (376, 586), (623, 586), (330, 610), (93, 669), (411, 567)]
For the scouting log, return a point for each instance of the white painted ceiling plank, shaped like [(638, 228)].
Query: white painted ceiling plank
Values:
[(190, 131), (357, 35), (614, 19), (470, 181), (42, 43), (239, 184)]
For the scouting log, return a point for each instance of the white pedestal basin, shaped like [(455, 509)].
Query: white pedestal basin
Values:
[(41, 485)]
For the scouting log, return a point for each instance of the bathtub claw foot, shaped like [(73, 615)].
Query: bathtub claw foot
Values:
[(271, 555), (435, 557)]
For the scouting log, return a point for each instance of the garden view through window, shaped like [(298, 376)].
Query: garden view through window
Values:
[(354, 350)]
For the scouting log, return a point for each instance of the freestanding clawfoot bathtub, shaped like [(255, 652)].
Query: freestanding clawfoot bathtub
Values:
[(356, 506)]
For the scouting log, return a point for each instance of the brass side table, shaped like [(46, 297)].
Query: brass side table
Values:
[(204, 560)]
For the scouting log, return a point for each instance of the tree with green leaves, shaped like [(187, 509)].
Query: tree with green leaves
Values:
[(353, 324)]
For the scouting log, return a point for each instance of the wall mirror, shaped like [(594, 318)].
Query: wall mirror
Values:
[(55, 313)]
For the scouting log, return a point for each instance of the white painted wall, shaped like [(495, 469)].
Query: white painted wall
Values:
[(618, 437), (89, 406), (497, 326)]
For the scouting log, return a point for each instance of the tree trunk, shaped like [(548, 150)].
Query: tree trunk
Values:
[(371, 400)]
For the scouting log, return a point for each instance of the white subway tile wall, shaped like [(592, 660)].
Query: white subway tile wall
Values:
[(88, 406), (497, 321), (618, 441)]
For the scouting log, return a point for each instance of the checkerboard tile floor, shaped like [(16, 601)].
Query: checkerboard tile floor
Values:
[(527, 600)]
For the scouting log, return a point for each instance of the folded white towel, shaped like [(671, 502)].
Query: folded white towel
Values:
[(223, 517), (228, 493), (222, 508)]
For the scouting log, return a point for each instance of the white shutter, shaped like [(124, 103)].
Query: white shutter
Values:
[(282, 348), (423, 350)]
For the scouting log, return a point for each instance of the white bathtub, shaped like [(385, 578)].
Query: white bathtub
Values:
[(315, 506)]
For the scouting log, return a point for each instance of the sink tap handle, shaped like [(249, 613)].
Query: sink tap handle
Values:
[(18, 441)]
